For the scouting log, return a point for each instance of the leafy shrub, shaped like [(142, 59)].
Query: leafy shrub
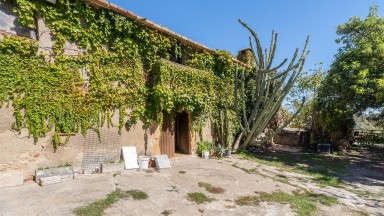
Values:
[(204, 146)]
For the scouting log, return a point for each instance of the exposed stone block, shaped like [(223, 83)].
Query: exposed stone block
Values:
[(50, 180), (63, 172)]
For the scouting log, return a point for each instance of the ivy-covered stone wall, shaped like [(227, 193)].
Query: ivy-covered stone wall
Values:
[(90, 66)]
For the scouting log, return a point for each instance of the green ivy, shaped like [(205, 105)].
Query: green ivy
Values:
[(178, 88), (54, 95), (127, 66)]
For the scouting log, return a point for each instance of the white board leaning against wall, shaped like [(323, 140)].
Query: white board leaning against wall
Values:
[(130, 157)]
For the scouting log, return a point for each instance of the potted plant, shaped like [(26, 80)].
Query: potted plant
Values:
[(220, 151), (204, 149)]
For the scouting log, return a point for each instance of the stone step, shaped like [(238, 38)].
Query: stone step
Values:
[(50, 180)]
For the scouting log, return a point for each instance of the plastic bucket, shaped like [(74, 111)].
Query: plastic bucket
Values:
[(143, 162), (205, 154)]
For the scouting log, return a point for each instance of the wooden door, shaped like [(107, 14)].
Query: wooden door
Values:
[(167, 140), (182, 133)]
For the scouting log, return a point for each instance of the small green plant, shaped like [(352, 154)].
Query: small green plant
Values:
[(321, 198), (137, 194), (182, 172), (220, 150), (116, 174), (167, 212), (247, 200), (249, 171), (66, 164), (211, 189), (199, 198), (204, 146)]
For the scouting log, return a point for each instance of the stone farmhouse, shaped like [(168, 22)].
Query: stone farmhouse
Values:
[(46, 23)]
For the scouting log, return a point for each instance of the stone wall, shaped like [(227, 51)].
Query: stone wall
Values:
[(18, 151), (9, 22), (292, 137), (19, 156)]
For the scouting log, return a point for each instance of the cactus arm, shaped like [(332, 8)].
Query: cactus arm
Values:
[(243, 100), (272, 49), (237, 102), (271, 88), (258, 44), (279, 66), (226, 122), (278, 130), (264, 117), (253, 52)]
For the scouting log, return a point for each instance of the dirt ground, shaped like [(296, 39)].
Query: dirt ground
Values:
[(168, 189)]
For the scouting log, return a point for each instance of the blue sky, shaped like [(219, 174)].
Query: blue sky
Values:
[(214, 22)]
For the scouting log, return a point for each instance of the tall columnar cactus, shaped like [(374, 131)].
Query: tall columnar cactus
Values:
[(272, 86), (222, 128)]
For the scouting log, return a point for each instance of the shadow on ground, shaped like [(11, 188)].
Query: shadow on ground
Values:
[(355, 166)]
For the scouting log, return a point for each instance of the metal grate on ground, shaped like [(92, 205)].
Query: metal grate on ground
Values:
[(107, 148)]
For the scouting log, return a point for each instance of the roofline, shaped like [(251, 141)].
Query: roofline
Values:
[(152, 25), (245, 49)]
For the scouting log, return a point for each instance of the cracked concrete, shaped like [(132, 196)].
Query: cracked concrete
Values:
[(168, 189)]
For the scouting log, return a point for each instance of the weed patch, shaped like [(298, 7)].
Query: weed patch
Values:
[(321, 198), (182, 172), (167, 212), (97, 208), (66, 164), (249, 171), (247, 200), (137, 194), (211, 189), (302, 204), (199, 198)]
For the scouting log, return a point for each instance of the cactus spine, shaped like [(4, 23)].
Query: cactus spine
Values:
[(272, 86)]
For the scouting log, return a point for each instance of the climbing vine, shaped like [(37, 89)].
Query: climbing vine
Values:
[(178, 88), (47, 95), (123, 66)]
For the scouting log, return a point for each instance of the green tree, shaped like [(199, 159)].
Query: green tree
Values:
[(307, 86), (355, 80)]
